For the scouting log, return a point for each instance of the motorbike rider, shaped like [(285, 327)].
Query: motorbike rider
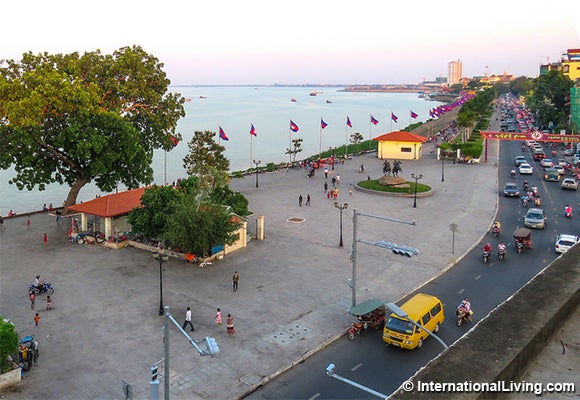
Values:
[(525, 199), (466, 306), (38, 283), (487, 248), (526, 185), (568, 210), (501, 248), (513, 173), (496, 227)]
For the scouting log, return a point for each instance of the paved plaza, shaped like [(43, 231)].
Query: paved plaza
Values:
[(293, 297)]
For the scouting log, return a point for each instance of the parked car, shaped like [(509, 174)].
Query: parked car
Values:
[(526, 169), (535, 219), (511, 190), (565, 242), (569, 184)]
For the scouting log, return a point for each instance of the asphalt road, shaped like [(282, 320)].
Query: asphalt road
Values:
[(368, 361)]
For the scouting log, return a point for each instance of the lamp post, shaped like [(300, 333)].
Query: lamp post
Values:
[(416, 177), (340, 206), (333, 157), (162, 258), (442, 167), (257, 164)]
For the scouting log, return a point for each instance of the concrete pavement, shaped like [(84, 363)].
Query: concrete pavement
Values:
[(293, 296)]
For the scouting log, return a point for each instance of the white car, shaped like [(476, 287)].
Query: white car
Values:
[(570, 184), (565, 242), (546, 163), (526, 169), (560, 169)]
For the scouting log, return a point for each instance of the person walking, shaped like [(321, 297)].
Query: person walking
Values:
[(325, 186), (235, 280), (300, 200), (45, 239), (32, 299), (188, 319), (350, 190), (325, 173), (333, 180), (308, 200), (229, 325), (337, 179), (36, 319), (48, 303), (218, 317)]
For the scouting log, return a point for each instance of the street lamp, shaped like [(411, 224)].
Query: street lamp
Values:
[(257, 163), (340, 206), (416, 177), (442, 167), (162, 258), (333, 157)]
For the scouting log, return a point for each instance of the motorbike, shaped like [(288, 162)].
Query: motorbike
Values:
[(525, 201), (46, 289), (495, 230), (568, 212), (369, 314), (522, 239), (355, 329), (462, 315), (501, 252), (535, 190), (486, 255), (513, 173), (538, 202)]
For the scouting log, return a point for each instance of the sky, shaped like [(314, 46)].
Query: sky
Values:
[(261, 42)]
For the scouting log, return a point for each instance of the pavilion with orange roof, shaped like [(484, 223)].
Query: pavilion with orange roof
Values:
[(400, 145)]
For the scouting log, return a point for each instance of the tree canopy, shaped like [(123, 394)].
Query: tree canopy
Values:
[(550, 99), (73, 119), (206, 160)]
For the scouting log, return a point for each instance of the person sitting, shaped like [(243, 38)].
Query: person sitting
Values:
[(466, 304), (44, 207), (11, 213), (38, 283), (496, 226), (487, 248)]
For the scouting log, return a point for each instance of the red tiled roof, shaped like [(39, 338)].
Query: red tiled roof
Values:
[(111, 205), (401, 137)]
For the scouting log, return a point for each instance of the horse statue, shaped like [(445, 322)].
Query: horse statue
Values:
[(387, 168), (397, 167)]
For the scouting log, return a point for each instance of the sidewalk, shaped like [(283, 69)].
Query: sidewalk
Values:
[(293, 295)]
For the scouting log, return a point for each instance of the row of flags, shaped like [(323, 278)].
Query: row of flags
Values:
[(442, 109), (294, 127)]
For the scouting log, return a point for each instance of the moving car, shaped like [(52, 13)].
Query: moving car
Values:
[(547, 163), (560, 169), (526, 169), (551, 175), (511, 190), (569, 152), (565, 242), (569, 184), (520, 160), (535, 219), (539, 155)]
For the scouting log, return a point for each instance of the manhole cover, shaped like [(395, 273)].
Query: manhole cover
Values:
[(288, 334), (295, 220)]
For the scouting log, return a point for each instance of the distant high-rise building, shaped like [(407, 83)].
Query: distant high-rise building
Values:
[(455, 72)]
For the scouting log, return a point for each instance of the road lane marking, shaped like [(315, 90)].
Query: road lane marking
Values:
[(356, 367), (477, 277), (461, 291), (317, 395)]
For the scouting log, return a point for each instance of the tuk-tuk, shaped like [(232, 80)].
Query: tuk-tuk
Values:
[(523, 239), (369, 313)]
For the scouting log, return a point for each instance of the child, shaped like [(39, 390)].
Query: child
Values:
[(48, 303), (45, 239), (32, 299), (36, 319), (218, 317), (230, 326)]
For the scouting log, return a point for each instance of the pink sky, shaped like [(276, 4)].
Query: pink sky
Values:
[(322, 41)]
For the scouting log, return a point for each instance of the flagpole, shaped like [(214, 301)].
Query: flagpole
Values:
[(391, 121), (320, 144), (251, 150), (370, 127), (290, 143), (346, 142), (165, 168)]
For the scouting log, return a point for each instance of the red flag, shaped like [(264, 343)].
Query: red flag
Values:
[(374, 120), (348, 121), (293, 126), (173, 140), (323, 124), (394, 117), (223, 135), (253, 131), (414, 115)]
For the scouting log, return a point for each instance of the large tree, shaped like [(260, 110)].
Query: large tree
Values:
[(73, 119), (206, 160), (550, 99)]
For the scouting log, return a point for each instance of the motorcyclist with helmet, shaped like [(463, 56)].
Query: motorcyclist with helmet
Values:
[(501, 249)]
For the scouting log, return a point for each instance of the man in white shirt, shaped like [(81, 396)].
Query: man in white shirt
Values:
[(188, 319)]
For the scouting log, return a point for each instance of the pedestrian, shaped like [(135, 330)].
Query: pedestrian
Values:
[(58, 215), (45, 239), (235, 280), (229, 325), (329, 194), (308, 200), (218, 317), (300, 200), (350, 190), (44, 207), (188, 319), (32, 299), (337, 179), (325, 186), (28, 220), (333, 180), (36, 319), (48, 303), (325, 173)]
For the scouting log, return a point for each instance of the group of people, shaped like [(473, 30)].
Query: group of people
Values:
[(501, 247), (531, 195)]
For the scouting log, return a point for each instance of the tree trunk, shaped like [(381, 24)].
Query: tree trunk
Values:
[(71, 198)]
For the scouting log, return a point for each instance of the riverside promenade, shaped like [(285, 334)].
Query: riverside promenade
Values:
[(293, 297)]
